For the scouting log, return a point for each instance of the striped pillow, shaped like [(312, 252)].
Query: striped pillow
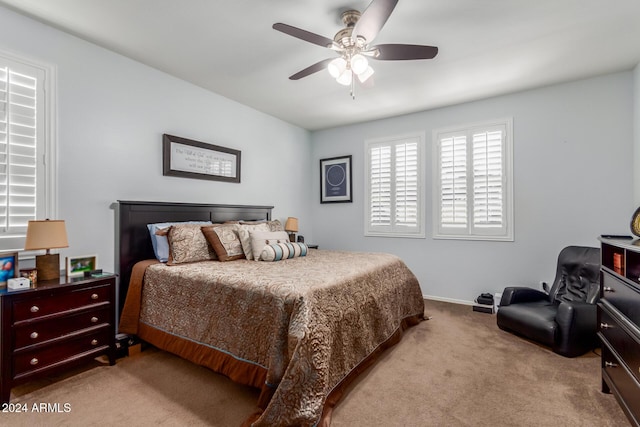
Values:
[(280, 251)]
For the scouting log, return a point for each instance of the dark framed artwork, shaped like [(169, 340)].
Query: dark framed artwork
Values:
[(187, 158), (335, 180)]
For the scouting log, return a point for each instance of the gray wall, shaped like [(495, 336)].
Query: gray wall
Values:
[(573, 180), (636, 145), (112, 113)]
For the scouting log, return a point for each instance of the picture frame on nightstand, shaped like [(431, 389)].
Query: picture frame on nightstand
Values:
[(8, 267), (77, 265)]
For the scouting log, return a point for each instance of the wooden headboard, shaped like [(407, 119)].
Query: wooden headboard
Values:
[(133, 242)]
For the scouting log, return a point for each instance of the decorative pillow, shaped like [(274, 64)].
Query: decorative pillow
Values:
[(274, 225), (159, 241), (260, 239), (280, 251), (188, 244), (245, 238), (225, 241)]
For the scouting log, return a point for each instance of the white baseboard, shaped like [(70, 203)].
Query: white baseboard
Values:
[(451, 300)]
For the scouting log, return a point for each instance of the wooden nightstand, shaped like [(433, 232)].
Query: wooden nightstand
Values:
[(53, 326)]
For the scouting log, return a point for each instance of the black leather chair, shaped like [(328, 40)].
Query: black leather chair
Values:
[(564, 319)]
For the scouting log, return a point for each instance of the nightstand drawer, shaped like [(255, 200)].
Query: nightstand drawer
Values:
[(627, 346), (40, 307), (36, 332), (27, 362)]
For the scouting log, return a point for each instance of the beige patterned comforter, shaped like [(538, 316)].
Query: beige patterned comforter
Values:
[(308, 321)]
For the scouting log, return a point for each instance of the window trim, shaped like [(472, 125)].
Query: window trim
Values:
[(47, 160), (469, 233), (419, 232)]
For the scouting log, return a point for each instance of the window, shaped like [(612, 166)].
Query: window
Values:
[(472, 195), (394, 185), (26, 164)]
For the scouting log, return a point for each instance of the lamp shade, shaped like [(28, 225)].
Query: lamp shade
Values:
[(46, 234), (291, 224)]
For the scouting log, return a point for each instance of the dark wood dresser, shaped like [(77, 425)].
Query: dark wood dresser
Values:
[(53, 326), (618, 320)]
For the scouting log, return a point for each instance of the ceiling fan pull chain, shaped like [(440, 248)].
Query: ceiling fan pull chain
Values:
[(353, 86)]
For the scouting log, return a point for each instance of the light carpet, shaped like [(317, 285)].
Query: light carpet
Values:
[(456, 369)]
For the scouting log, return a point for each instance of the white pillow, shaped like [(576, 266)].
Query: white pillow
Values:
[(245, 238), (260, 239)]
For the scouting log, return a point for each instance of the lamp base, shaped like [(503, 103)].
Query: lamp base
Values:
[(48, 266), (292, 237)]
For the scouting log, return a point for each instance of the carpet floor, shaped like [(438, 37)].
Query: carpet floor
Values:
[(456, 369)]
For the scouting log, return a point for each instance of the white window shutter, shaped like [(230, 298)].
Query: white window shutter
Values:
[(488, 208), (473, 189), (18, 139), (380, 186), (407, 184), (394, 182), (453, 182)]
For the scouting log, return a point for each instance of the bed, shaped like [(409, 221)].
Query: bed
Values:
[(299, 329)]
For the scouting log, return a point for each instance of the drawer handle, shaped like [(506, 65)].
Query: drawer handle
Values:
[(605, 326), (34, 361), (610, 364), (35, 309), (34, 335), (608, 289), (94, 342), (94, 296), (94, 319)]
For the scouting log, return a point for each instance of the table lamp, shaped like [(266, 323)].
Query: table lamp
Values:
[(292, 227), (46, 234)]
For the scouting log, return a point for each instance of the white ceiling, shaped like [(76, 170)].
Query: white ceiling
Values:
[(487, 48)]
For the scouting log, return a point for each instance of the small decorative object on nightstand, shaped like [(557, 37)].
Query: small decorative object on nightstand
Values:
[(57, 325), (292, 227), (47, 234)]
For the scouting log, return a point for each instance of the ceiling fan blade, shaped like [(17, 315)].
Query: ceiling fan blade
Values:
[(399, 52), (373, 19), (311, 69), (303, 35)]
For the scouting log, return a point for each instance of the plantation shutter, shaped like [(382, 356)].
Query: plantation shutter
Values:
[(394, 181), (380, 186), (20, 89), (488, 211), (453, 181), (406, 211), (473, 194)]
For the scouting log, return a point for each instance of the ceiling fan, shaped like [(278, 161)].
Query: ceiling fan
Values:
[(353, 45)]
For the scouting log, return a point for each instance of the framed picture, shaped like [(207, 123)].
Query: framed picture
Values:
[(8, 267), (77, 265), (335, 180), (194, 159)]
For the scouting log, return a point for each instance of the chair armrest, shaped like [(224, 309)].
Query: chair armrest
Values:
[(577, 328), (517, 294)]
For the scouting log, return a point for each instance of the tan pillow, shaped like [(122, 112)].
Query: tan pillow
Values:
[(274, 225), (188, 244), (224, 240), (245, 238), (260, 239)]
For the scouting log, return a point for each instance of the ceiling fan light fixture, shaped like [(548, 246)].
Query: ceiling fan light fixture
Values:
[(345, 78), (359, 63), (364, 76), (337, 67)]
